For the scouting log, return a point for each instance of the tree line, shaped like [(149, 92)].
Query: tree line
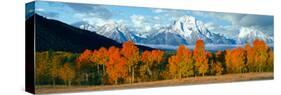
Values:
[(130, 65)]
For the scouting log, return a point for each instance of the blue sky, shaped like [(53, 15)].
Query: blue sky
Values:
[(148, 19)]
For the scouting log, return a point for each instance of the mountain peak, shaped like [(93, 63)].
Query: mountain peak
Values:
[(249, 34), (185, 25), (115, 31), (187, 19)]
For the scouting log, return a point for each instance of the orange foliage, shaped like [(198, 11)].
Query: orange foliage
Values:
[(216, 68), (173, 65), (150, 60), (181, 64), (235, 60), (83, 58), (258, 56), (121, 63), (157, 56), (261, 54), (130, 52), (116, 66), (131, 55), (154, 56), (146, 57), (201, 57), (100, 56), (250, 57)]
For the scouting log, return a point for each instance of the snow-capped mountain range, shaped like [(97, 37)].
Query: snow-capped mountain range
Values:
[(185, 30)]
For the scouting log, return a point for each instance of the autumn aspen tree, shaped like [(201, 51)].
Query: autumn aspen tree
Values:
[(261, 54), (181, 64), (235, 60), (67, 74), (151, 60), (200, 56), (131, 54), (116, 66), (100, 57), (83, 61)]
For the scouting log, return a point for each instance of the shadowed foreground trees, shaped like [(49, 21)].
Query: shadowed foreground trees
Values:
[(67, 74), (128, 64)]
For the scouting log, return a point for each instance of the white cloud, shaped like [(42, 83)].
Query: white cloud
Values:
[(92, 19), (243, 19), (141, 23), (156, 26), (251, 20), (137, 20), (168, 15), (230, 31), (260, 22), (159, 10), (210, 25), (121, 21), (95, 20), (147, 28), (232, 18)]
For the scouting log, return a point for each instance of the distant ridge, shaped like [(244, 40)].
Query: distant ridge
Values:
[(58, 36)]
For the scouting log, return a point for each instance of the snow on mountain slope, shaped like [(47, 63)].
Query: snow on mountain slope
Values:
[(165, 36), (85, 26), (249, 34), (186, 30), (114, 31)]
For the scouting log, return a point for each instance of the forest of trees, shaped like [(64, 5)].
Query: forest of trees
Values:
[(128, 64)]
